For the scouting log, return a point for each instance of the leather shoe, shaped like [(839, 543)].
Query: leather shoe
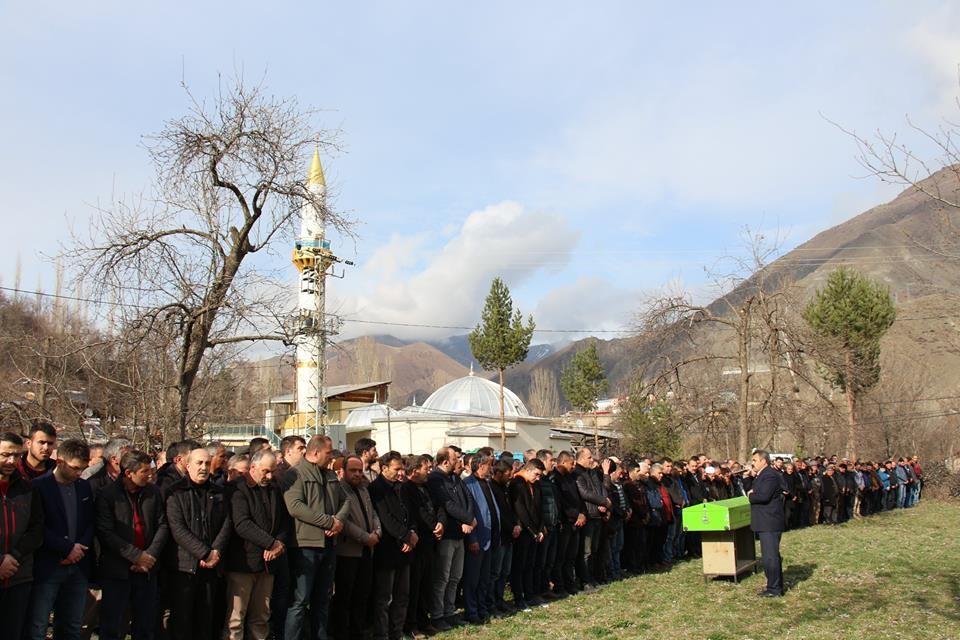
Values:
[(770, 594)]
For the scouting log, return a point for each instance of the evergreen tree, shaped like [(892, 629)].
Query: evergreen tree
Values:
[(501, 340), (649, 428), (584, 382), (851, 314)]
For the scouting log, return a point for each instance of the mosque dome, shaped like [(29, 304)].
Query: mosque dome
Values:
[(360, 417), (474, 396)]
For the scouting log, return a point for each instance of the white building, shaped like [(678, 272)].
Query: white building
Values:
[(464, 412)]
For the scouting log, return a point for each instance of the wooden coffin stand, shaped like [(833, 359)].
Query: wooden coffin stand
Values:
[(728, 543)]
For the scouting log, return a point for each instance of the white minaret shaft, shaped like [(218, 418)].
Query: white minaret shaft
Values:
[(312, 257)]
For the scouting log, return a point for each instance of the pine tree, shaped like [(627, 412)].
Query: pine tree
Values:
[(649, 428), (851, 314), (584, 382), (501, 340)]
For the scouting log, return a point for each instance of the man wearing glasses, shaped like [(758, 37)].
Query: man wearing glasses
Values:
[(64, 563)]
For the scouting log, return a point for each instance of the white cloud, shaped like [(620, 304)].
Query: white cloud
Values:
[(406, 281), (935, 41), (589, 303)]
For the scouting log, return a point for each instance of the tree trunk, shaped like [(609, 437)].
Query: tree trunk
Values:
[(596, 434), (851, 411), (743, 422), (503, 423)]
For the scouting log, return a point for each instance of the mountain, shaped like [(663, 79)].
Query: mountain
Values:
[(908, 243), (417, 369)]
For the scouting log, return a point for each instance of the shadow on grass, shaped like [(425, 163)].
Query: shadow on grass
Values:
[(927, 604), (797, 573)]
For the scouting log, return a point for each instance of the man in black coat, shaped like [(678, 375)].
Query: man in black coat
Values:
[(199, 521), (261, 525), (132, 531), (767, 520), (21, 534), (426, 520), (573, 516), (392, 555)]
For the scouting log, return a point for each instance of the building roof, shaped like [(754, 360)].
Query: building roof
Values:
[(328, 392), (361, 416), (483, 430), (473, 396)]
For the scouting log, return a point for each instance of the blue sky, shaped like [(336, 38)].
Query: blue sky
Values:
[(586, 153)]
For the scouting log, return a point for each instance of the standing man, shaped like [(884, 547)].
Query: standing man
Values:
[(572, 518), (429, 529), (366, 448), (199, 521), (21, 534), (767, 521), (391, 558), (132, 531), (36, 458), (319, 506), (527, 505), (218, 459), (292, 449), (597, 503), (482, 543), (448, 495), (547, 558), (354, 575), (260, 528), (175, 469), (64, 564)]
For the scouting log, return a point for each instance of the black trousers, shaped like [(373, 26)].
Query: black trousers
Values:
[(139, 594), (350, 605), (421, 584), (521, 573), (391, 590), (193, 606), (13, 609), (568, 548), (589, 546), (656, 536), (546, 559), (772, 563), (280, 599), (634, 547)]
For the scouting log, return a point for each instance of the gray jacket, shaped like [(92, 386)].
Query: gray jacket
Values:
[(314, 497), (355, 534)]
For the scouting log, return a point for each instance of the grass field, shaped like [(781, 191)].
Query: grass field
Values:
[(896, 575)]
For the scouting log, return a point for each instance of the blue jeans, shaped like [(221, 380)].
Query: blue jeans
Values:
[(312, 571), (63, 591), (500, 570), (476, 583), (616, 550), (668, 544)]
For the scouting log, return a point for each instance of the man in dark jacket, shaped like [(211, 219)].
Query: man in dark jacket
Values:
[(199, 521), (572, 518), (36, 458), (767, 520), (260, 525), (176, 467), (830, 495), (547, 552), (525, 497), (452, 499), (597, 503), (64, 564), (132, 531), (509, 530), (391, 557), (482, 543), (21, 534), (426, 520)]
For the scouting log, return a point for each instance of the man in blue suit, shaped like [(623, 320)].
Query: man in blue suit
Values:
[(481, 542), (767, 520), (62, 566)]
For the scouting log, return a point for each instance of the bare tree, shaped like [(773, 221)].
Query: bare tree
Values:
[(544, 393), (230, 180), (368, 363)]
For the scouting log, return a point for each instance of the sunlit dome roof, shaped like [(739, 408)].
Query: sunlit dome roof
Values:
[(361, 416), (474, 396)]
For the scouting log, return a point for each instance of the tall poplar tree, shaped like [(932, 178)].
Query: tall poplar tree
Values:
[(851, 313), (584, 382), (501, 340)]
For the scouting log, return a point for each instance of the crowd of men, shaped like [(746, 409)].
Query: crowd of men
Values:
[(308, 542)]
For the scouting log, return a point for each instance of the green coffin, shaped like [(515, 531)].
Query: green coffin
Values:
[(723, 515)]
